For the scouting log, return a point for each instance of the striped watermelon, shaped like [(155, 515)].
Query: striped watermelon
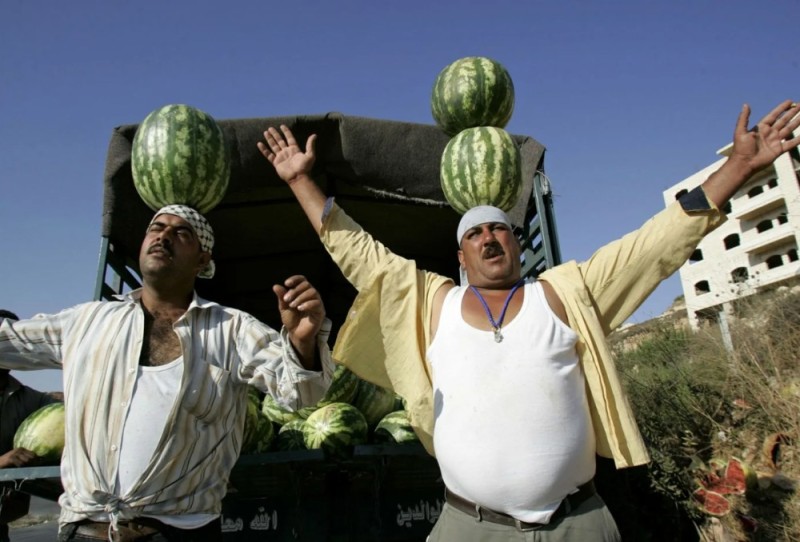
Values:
[(259, 432), (42, 432), (481, 166), (395, 427), (343, 388), (290, 436), (374, 402), (335, 428), (277, 412), (472, 91), (179, 155)]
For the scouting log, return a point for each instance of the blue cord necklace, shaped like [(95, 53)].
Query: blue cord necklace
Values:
[(498, 337)]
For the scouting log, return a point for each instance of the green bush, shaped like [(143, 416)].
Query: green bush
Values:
[(696, 401)]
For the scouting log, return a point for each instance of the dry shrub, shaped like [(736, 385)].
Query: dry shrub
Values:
[(697, 402)]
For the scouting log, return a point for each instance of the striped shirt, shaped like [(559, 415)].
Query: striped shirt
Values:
[(98, 345)]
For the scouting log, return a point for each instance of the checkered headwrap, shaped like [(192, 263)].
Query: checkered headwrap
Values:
[(201, 228)]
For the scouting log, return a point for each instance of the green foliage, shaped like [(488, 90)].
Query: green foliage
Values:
[(677, 399), (697, 402)]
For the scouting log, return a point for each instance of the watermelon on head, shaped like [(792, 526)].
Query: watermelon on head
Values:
[(472, 91), (179, 155), (481, 166), (42, 432)]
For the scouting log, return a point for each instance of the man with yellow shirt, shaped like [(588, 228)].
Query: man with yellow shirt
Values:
[(459, 354)]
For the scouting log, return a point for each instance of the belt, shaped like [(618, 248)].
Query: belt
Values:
[(480, 513), (127, 531)]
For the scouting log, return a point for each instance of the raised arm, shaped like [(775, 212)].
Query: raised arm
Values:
[(293, 166), (754, 149)]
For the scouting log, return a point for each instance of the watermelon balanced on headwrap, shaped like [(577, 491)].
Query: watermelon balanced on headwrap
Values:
[(481, 166), (179, 155)]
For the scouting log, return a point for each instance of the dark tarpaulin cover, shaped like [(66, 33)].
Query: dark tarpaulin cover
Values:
[(385, 174)]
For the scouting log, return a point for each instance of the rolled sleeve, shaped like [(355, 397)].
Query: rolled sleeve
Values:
[(271, 365)]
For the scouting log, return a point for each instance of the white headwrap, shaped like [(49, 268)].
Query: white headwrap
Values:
[(201, 228), (480, 215), (476, 216)]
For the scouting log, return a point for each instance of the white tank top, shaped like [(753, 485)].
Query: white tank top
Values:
[(513, 431), (153, 400)]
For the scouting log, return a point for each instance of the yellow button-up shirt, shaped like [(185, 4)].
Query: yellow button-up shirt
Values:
[(387, 331)]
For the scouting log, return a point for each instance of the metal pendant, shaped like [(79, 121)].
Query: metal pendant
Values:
[(498, 337)]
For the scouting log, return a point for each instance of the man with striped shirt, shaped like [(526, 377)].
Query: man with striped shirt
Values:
[(155, 387)]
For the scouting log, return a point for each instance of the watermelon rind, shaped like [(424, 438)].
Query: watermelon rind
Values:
[(179, 156), (374, 402), (481, 166), (276, 412), (343, 388), (472, 91), (335, 429), (42, 432), (259, 432), (290, 437), (711, 502), (395, 428)]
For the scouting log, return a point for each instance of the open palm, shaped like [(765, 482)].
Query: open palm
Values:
[(283, 152)]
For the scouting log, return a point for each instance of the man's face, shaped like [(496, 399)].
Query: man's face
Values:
[(490, 254), (171, 246)]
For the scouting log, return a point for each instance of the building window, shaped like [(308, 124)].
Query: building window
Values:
[(782, 218), (774, 261), (772, 183), (702, 287), (681, 193), (756, 190), (740, 274), (792, 255), (764, 225), (727, 208), (697, 256), (731, 241)]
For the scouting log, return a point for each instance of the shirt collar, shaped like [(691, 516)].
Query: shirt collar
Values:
[(134, 296)]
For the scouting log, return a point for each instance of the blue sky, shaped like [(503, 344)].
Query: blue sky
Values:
[(629, 97)]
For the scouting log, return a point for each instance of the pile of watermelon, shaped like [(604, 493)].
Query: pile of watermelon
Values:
[(353, 411), (472, 101)]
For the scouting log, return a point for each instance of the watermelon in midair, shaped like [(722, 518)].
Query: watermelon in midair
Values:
[(179, 155), (42, 432), (481, 166), (472, 91)]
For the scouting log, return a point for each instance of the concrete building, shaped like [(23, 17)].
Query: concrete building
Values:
[(755, 249)]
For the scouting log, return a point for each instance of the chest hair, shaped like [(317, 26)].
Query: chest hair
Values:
[(160, 344)]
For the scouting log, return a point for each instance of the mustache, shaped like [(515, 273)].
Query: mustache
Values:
[(493, 249), (161, 247)]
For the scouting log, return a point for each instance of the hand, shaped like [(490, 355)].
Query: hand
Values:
[(18, 457), (768, 139), (285, 155), (302, 313)]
